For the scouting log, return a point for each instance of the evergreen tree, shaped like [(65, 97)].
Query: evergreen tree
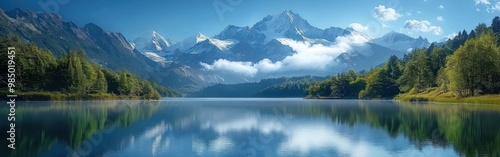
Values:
[(481, 28), (124, 85), (472, 34), (75, 76), (438, 59), (379, 85), (90, 76), (417, 74), (340, 86), (495, 25), (393, 67), (465, 35), (39, 71), (101, 85)]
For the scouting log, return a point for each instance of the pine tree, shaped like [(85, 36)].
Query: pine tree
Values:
[(417, 74), (90, 76), (101, 85), (481, 28), (438, 59), (495, 25), (472, 34), (76, 77), (393, 67)]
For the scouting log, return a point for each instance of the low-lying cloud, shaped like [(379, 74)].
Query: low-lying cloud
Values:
[(307, 56), (245, 68), (358, 27)]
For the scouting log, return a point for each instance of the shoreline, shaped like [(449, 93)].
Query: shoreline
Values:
[(421, 97), (483, 99), (56, 96)]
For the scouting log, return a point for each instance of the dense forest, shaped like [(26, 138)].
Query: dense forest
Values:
[(41, 76), (467, 65)]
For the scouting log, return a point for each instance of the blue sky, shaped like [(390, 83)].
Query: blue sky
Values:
[(178, 19)]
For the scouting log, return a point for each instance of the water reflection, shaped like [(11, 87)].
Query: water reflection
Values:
[(257, 127)]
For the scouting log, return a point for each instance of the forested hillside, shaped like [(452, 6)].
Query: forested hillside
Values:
[(465, 66), (277, 87), (41, 76)]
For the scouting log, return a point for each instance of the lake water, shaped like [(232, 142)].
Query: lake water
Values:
[(252, 128)]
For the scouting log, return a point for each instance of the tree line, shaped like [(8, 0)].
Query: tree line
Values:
[(37, 70), (467, 65)]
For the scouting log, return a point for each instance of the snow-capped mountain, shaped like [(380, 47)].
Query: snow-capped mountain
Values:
[(401, 42), (153, 42), (286, 24), (274, 39), (204, 43), (252, 43)]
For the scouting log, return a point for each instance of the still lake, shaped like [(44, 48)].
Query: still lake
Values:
[(252, 127)]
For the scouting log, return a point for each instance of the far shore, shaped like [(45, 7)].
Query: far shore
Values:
[(444, 98)]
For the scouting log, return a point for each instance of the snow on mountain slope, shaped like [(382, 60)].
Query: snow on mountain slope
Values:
[(281, 45), (242, 34), (153, 42), (220, 44), (401, 42), (155, 57), (286, 24)]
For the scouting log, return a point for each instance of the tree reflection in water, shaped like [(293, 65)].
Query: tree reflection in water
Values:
[(233, 127)]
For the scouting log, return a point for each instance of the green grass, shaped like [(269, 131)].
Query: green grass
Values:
[(435, 95)]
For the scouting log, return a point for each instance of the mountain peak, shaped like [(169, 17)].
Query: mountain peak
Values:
[(94, 27), (289, 13), (392, 33), (396, 36), (401, 42), (201, 38), (20, 13), (153, 42), (286, 24)]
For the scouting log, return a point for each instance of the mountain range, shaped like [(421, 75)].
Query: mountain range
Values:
[(182, 64)]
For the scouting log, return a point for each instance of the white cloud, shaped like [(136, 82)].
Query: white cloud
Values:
[(358, 27), (308, 56), (451, 36), (422, 26), (493, 8), (440, 18), (486, 2), (386, 14), (408, 14), (267, 65), (419, 12), (441, 7), (478, 10), (244, 68)]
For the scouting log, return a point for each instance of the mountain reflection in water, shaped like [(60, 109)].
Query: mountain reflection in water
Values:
[(253, 127)]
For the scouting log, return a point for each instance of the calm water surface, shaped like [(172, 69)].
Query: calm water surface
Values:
[(252, 128)]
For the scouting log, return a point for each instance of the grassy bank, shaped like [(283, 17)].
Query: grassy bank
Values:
[(56, 96), (435, 95)]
